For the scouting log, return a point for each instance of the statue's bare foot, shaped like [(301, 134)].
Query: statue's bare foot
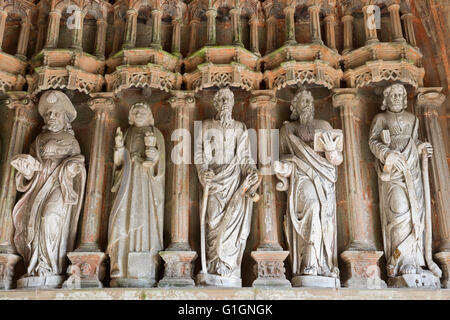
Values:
[(310, 271), (408, 269)]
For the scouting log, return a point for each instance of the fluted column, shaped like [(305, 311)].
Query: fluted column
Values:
[(269, 255), (130, 29), (254, 39), (89, 251), (428, 101), (396, 24), (370, 24), (290, 25), (236, 26), (3, 16), (24, 36), (360, 256), (178, 257), (314, 23), (54, 18), (176, 37), (193, 36), (271, 28), (156, 29), (77, 32), (409, 29), (100, 39), (347, 21), (24, 119), (330, 22), (211, 15), (42, 21)]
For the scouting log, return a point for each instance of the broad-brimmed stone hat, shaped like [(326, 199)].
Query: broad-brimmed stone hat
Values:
[(53, 97)]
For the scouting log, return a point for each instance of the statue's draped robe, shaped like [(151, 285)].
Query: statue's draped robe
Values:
[(46, 216), (403, 224), (228, 212), (136, 220), (311, 202)]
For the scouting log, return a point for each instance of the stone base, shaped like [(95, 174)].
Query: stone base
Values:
[(361, 270), (48, 282), (177, 269), (443, 258), (87, 270), (315, 282), (270, 269), (212, 280), (7, 263), (426, 280), (132, 283)]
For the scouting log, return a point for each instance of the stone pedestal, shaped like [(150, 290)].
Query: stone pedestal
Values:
[(443, 259), (7, 264), (426, 280), (212, 280), (141, 271), (49, 282), (270, 269), (361, 270), (86, 270), (178, 269), (315, 282)]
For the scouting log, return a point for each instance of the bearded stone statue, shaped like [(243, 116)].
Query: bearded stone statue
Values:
[(52, 178), (404, 192), (135, 233), (229, 179), (310, 150)]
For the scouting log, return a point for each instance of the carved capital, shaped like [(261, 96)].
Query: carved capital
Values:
[(270, 269), (182, 99), (263, 99), (430, 97), (345, 98), (102, 102), (87, 270), (178, 268), (7, 264), (23, 105)]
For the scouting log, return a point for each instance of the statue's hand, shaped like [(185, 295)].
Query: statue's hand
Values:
[(26, 165), (74, 168), (206, 177), (427, 147), (119, 138), (396, 159), (250, 180), (152, 154), (329, 143)]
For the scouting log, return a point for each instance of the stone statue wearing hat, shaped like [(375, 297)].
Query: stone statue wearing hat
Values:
[(52, 178)]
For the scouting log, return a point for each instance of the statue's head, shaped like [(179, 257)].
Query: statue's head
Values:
[(141, 115), (224, 102), (395, 98), (302, 106), (57, 111)]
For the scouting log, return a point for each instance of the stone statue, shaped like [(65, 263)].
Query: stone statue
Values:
[(310, 150), (229, 179), (404, 207), (52, 178), (135, 233)]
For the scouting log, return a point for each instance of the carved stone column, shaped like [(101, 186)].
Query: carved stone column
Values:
[(396, 24), (24, 120), (156, 30), (100, 39), (118, 25), (54, 18), (269, 255), (130, 29), (193, 36), (42, 21), (409, 29), (330, 22), (314, 23), (254, 39), (179, 257), (369, 24), (271, 28), (360, 257), (347, 21), (24, 36), (3, 16), (87, 268), (428, 101), (77, 32), (290, 25), (236, 26), (176, 37), (211, 15)]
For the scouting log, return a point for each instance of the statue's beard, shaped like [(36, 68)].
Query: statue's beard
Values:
[(306, 116), (225, 118)]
